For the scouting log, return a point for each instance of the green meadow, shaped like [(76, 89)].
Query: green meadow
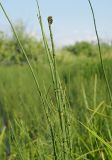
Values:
[(55, 104)]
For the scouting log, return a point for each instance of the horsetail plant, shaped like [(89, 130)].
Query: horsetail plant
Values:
[(59, 94), (43, 100)]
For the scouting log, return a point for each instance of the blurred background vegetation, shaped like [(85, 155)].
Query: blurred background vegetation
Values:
[(9, 49), (82, 78), (78, 62), (10, 52)]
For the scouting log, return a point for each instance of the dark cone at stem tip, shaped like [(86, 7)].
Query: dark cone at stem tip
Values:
[(50, 20)]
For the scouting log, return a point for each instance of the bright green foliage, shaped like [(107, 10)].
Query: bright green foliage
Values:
[(63, 111), (69, 122), (89, 49), (29, 135), (10, 52)]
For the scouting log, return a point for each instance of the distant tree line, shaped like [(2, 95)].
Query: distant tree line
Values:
[(89, 49), (10, 52)]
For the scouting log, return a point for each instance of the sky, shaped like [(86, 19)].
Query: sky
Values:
[(72, 18)]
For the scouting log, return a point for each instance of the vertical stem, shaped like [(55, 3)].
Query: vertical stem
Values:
[(57, 89), (34, 77), (100, 52)]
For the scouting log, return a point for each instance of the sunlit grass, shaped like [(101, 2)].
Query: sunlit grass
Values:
[(55, 110)]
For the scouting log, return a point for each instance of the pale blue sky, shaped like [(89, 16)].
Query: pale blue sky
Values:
[(72, 18)]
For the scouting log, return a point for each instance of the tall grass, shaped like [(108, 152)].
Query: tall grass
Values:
[(100, 52), (49, 126), (58, 90)]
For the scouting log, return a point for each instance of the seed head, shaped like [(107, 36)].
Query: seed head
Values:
[(50, 20)]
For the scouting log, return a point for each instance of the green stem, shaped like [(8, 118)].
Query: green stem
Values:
[(58, 91), (35, 79), (100, 52)]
